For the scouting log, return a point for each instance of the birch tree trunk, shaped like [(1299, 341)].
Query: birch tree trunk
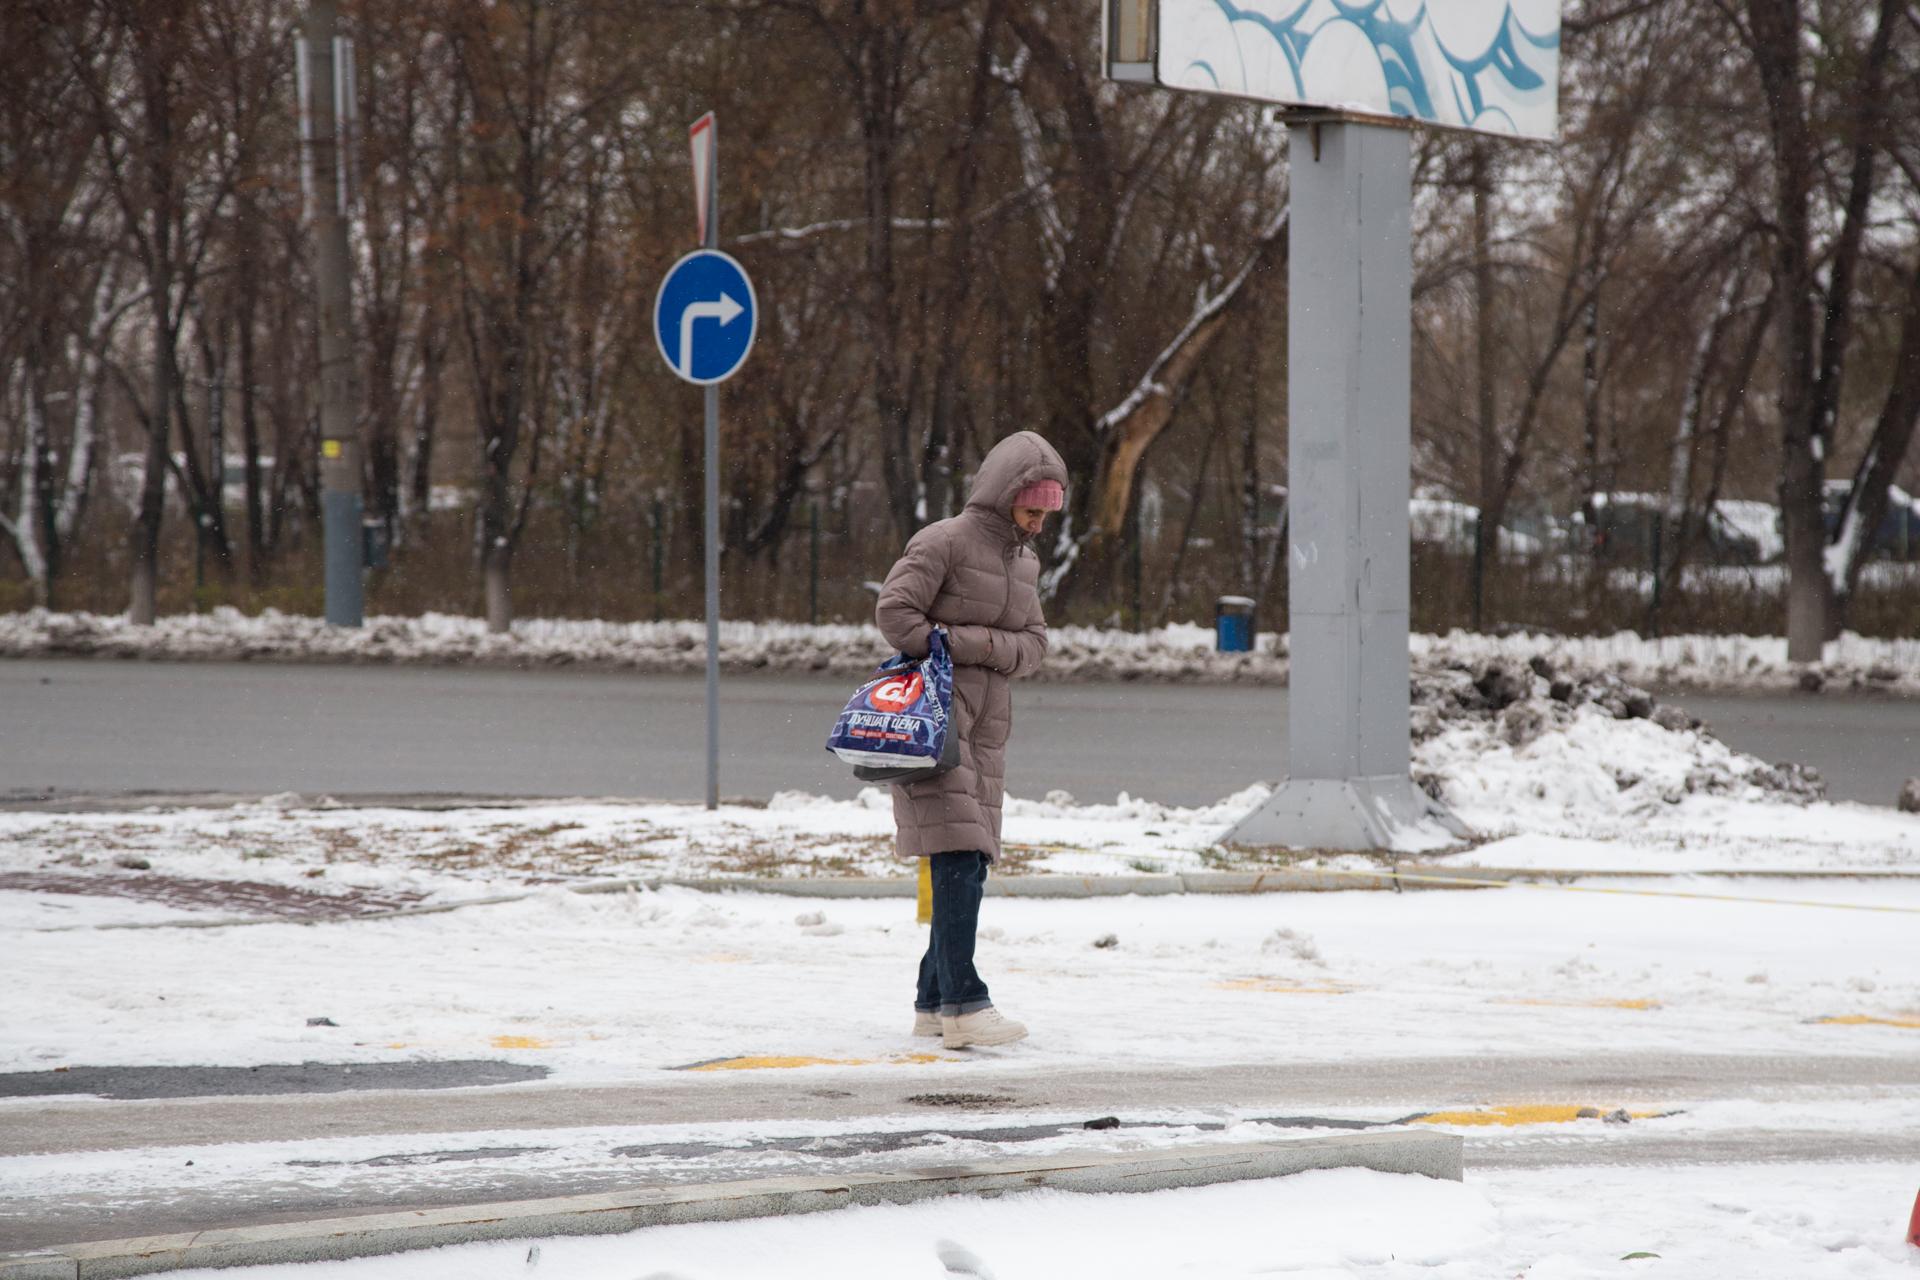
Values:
[(1680, 453), (1486, 407), (1812, 356)]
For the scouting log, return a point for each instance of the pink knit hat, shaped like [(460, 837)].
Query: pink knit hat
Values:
[(1043, 495)]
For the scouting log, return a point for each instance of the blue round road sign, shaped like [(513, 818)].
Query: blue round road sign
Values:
[(704, 317)]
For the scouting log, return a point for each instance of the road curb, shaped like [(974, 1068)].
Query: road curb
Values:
[(1279, 880), (1410, 877), (1435, 1155)]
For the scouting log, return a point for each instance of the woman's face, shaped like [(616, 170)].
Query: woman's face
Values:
[(1030, 519)]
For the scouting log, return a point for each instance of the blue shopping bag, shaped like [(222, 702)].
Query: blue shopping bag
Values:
[(899, 726)]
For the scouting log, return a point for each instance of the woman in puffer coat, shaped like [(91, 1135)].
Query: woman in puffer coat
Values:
[(976, 577)]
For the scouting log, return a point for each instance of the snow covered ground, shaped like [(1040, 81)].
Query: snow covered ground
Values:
[(1179, 652), (286, 858), (1751, 1222), (620, 986), (1767, 579), (1547, 772), (643, 986), (638, 986), (1555, 764)]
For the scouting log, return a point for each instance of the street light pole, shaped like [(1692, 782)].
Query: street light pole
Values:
[(325, 98)]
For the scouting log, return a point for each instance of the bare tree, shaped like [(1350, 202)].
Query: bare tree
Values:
[(58, 304), (538, 82), (169, 162), (1816, 306)]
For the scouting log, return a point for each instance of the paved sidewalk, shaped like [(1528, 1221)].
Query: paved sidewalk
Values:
[(456, 1147), (1433, 1154), (1397, 1086)]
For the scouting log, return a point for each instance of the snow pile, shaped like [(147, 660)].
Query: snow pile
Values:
[(1757, 1221), (1512, 738), (228, 634), (1765, 579), (1180, 652), (1745, 663), (1554, 770)]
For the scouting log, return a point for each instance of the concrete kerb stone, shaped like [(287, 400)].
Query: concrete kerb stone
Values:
[(1405, 877), (1277, 880), (1434, 1155), (38, 1266), (1068, 886)]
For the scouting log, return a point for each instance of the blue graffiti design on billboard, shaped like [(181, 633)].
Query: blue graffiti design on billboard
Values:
[(1487, 65)]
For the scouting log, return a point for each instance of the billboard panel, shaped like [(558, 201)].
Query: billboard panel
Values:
[(1488, 65)]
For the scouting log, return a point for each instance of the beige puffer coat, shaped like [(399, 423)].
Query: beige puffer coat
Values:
[(976, 576)]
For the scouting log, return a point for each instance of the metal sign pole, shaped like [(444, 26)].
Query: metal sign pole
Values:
[(704, 320), (709, 201), (713, 596)]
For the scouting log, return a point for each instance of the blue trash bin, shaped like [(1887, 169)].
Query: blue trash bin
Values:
[(1233, 624)]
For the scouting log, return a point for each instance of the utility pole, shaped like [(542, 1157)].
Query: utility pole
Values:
[(326, 83)]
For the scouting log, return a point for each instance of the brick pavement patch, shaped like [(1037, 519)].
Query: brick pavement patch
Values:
[(238, 897)]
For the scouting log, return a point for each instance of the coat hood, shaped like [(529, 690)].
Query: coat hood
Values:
[(1023, 458)]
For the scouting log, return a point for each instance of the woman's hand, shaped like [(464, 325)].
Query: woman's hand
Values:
[(992, 647)]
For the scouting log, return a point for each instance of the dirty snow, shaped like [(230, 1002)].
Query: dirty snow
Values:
[(1178, 652), (1756, 1222), (1547, 771), (371, 1167)]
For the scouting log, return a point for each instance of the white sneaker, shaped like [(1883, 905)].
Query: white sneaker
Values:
[(926, 1022), (983, 1027)]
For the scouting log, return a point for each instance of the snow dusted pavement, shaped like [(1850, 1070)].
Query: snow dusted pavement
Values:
[(1235, 1009), (1767, 1222), (617, 987), (1730, 1080)]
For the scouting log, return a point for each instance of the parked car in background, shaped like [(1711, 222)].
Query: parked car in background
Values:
[(1450, 525), (1897, 536), (1625, 527)]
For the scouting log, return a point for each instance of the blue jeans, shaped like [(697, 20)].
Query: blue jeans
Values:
[(949, 984)]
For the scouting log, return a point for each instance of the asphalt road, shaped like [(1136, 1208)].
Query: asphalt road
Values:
[(94, 726), (441, 1146)]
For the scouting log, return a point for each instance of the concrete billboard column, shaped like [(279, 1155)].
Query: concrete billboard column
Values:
[(1349, 327)]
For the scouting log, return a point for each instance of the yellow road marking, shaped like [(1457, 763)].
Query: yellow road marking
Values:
[(1533, 1113), (1867, 1020), (520, 1042), (775, 1062), (1640, 1002), (1280, 985)]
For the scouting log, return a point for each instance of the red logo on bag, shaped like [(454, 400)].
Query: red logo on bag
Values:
[(897, 694)]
